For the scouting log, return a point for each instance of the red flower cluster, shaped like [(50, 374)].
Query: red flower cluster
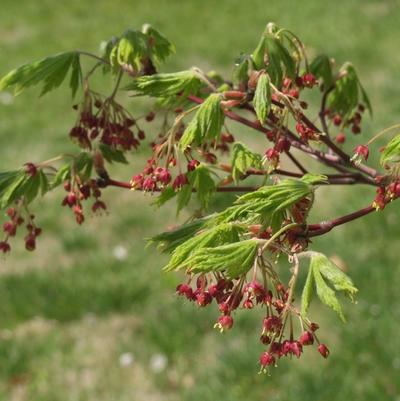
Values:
[(279, 310), (154, 178), (11, 226), (77, 193), (108, 122)]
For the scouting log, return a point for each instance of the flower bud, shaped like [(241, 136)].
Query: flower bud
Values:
[(323, 350)]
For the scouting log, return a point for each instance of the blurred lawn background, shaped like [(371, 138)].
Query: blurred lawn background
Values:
[(81, 321)]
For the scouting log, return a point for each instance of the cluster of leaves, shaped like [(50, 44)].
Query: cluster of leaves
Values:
[(270, 205), (219, 242)]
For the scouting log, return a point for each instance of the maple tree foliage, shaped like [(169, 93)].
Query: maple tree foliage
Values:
[(231, 257)]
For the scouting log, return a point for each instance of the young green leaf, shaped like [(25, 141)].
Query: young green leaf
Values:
[(49, 72), (259, 54), (336, 277), (240, 74), (63, 174), (321, 67), (169, 240), (234, 259), (82, 165), (7, 178), (308, 292), (18, 184), (183, 197), (165, 195), (277, 51), (10, 184), (206, 124), (44, 182), (243, 159), (391, 152), (112, 155), (270, 204), (160, 47), (130, 49), (325, 293), (166, 85), (200, 179), (348, 93), (212, 237), (262, 97), (76, 75), (272, 55)]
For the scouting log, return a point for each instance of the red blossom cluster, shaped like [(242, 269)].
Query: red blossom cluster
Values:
[(109, 123), (16, 219), (385, 195), (154, 178), (77, 193), (277, 331)]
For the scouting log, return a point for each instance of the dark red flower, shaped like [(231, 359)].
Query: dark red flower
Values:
[(323, 350)]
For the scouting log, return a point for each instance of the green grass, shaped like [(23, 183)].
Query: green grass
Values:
[(70, 310)]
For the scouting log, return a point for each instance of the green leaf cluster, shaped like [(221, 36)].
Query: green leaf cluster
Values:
[(272, 55), (17, 184), (348, 93), (234, 259), (133, 46), (271, 204), (325, 278), (243, 159), (206, 125), (216, 248), (49, 72)]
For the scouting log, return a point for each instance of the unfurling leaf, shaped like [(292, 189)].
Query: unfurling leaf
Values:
[(206, 124), (321, 67), (234, 259), (336, 277), (271, 204), (243, 159), (324, 269), (200, 179), (169, 240), (262, 97), (160, 47), (275, 58), (348, 93), (391, 152), (308, 292), (240, 74), (209, 239), (49, 72), (326, 294), (130, 49), (166, 85)]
